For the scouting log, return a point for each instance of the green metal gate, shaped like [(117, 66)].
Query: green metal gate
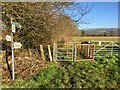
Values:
[(73, 52), (65, 52)]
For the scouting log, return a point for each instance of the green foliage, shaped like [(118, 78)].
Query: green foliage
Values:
[(101, 73)]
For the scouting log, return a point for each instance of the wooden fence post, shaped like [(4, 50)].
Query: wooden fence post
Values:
[(67, 49), (75, 52), (88, 51), (42, 52), (72, 52), (50, 56), (54, 53)]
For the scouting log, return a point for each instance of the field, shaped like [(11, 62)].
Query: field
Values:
[(100, 38), (77, 39)]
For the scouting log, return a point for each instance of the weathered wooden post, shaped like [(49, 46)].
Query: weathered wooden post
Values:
[(72, 52), (50, 56), (88, 52), (54, 53), (66, 45), (75, 52), (42, 52)]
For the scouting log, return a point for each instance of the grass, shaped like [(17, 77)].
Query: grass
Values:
[(100, 73), (101, 38)]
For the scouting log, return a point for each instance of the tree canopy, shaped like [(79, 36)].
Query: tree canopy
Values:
[(42, 22)]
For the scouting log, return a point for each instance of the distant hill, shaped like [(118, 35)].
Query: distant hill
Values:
[(102, 31)]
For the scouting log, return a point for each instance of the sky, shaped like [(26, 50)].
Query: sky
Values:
[(102, 15)]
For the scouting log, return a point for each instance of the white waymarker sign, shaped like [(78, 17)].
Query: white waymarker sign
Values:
[(13, 27), (17, 45), (8, 38), (99, 43)]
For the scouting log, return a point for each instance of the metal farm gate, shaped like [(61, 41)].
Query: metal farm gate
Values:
[(76, 51), (65, 52), (73, 52), (105, 48)]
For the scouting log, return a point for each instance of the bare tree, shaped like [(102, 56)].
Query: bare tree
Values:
[(44, 22)]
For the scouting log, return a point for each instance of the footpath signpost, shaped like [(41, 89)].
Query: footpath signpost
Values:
[(13, 45)]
